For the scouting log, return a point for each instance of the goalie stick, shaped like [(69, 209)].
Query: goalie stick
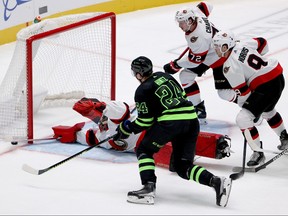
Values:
[(34, 171), (264, 165), (237, 175), (15, 142)]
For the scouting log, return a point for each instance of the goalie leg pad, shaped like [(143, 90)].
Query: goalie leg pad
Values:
[(210, 145), (67, 133)]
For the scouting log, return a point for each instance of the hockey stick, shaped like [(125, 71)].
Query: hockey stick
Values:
[(237, 175), (15, 142), (182, 54), (31, 170)]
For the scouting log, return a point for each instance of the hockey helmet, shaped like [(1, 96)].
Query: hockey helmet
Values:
[(222, 38), (184, 15), (142, 65)]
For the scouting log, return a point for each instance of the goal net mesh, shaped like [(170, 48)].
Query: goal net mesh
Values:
[(55, 63)]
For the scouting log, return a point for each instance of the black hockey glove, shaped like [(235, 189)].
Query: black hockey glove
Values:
[(123, 130), (171, 67)]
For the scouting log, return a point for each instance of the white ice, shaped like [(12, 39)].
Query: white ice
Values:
[(91, 187)]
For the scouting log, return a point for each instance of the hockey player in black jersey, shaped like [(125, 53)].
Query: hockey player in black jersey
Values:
[(167, 115)]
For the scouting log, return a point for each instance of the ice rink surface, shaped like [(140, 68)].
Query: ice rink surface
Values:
[(99, 187)]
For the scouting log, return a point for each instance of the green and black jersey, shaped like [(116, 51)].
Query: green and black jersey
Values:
[(161, 98)]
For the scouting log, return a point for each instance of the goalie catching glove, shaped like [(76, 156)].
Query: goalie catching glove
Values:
[(91, 108), (123, 130)]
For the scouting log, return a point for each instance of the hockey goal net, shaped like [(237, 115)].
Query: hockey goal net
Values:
[(55, 63)]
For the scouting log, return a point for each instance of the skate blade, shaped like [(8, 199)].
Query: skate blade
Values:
[(226, 193), (147, 200), (203, 121)]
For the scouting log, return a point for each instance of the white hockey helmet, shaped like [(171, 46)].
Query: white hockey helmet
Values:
[(184, 15), (221, 38)]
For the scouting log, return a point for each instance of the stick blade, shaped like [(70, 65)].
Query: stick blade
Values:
[(235, 176), (30, 169), (247, 169)]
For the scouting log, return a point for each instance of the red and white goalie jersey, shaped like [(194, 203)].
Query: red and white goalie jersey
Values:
[(112, 116)]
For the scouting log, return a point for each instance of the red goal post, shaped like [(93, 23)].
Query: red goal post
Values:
[(55, 63)]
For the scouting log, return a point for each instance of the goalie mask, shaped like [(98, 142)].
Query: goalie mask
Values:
[(103, 123)]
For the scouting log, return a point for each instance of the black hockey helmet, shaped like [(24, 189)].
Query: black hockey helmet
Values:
[(142, 65)]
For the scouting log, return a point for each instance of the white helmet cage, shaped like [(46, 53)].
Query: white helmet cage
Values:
[(223, 38), (184, 15)]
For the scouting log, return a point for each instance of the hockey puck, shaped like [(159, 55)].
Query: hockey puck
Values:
[(14, 142)]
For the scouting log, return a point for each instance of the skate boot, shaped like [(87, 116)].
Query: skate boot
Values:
[(201, 112), (222, 187), (283, 140), (256, 159), (144, 196)]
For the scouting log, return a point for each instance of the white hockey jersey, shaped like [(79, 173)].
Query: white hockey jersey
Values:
[(115, 111), (245, 69)]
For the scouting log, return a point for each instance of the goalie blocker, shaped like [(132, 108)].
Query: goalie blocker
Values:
[(212, 145)]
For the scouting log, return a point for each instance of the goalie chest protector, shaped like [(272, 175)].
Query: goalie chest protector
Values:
[(210, 145)]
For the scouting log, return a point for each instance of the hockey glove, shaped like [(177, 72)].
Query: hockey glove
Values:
[(90, 108), (123, 130), (172, 67), (91, 138)]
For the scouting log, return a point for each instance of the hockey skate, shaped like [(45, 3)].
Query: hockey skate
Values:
[(144, 196), (283, 140), (222, 187), (201, 112), (256, 159)]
